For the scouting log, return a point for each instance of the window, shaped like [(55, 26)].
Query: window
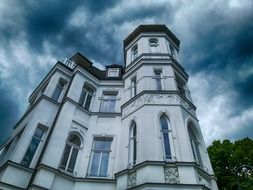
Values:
[(180, 85), (70, 153), (195, 147), (108, 102), (134, 52), (36, 139), (58, 90), (158, 79), (154, 45), (86, 96), (113, 72), (100, 157), (133, 87), (173, 51), (165, 130), (133, 144)]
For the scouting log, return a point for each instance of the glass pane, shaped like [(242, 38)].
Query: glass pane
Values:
[(39, 132), (72, 160), (104, 106), (87, 88), (158, 84), (74, 139), (82, 97), (103, 145), (198, 153), (61, 84), (30, 152), (112, 106), (164, 123), (57, 92), (166, 145), (95, 164), (134, 130), (88, 101), (104, 164), (65, 156), (135, 151)]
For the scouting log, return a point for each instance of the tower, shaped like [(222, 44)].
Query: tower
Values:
[(125, 127)]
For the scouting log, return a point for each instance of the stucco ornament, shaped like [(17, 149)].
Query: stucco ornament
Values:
[(131, 180), (171, 175)]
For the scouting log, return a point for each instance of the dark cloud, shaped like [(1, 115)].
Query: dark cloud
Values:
[(9, 112), (216, 47)]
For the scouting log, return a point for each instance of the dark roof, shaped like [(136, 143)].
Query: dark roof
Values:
[(151, 28), (114, 66), (86, 64)]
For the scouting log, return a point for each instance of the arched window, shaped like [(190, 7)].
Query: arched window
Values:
[(154, 45), (165, 130), (133, 144), (134, 52), (70, 153), (195, 147)]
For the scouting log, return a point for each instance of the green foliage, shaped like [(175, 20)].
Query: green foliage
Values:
[(233, 163)]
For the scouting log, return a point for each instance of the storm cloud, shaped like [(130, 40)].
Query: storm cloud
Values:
[(216, 50)]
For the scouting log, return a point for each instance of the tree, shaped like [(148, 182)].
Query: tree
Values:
[(233, 163)]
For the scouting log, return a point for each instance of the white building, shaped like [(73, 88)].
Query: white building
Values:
[(127, 127)]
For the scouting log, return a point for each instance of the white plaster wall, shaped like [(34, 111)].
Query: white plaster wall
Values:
[(44, 114), (16, 176), (143, 45)]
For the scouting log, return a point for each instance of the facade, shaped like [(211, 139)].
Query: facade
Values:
[(125, 127)]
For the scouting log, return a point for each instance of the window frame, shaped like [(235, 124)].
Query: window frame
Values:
[(101, 153), (195, 147), (39, 139), (133, 144), (112, 70), (167, 131), (73, 146), (173, 51), (134, 52), (56, 96), (110, 101), (133, 86), (154, 45), (158, 79), (83, 101)]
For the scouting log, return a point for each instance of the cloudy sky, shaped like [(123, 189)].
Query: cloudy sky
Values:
[(216, 50)]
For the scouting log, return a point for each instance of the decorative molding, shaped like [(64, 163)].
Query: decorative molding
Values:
[(148, 98), (171, 174), (131, 181)]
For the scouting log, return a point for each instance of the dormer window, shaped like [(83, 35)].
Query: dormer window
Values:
[(113, 72), (154, 45), (134, 52)]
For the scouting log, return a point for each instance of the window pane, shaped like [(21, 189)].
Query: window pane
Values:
[(103, 145), (104, 106), (164, 123), (82, 97), (30, 152), (112, 106), (134, 151), (75, 139), (88, 89), (72, 160), (39, 132), (95, 164), (65, 156), (58, 90), (104, 164), (166, 145), (88, 101)]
